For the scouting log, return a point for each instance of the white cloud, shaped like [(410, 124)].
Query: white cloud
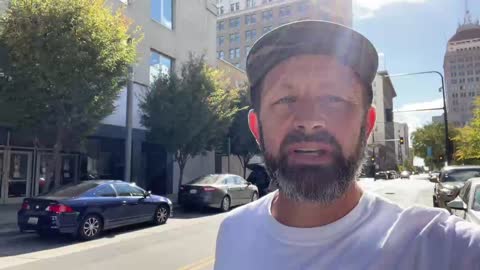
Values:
[(416, 120), (363, 9)]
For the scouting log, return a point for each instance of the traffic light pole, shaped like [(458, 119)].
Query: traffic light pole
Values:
[(448, 150)]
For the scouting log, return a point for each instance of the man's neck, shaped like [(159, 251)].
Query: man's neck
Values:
[(308, 215)]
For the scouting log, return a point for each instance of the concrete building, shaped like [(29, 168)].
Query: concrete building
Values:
[(402, 151), (381, 150), (462, 71), (241, 22), (172, 29)]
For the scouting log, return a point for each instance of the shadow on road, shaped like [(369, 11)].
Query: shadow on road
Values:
[(23, 243)]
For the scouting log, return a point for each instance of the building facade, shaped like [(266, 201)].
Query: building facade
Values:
[(381, 144), (172, 30), (438, 119), (402, 142), (241, 22), (462, 72)]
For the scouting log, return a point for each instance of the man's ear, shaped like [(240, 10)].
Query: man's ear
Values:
[(371, 118), (253, 124)]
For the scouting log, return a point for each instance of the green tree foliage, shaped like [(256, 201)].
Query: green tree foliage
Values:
[(431, 135), (242, 143), (67, 61), (467, 141), (189, 113)]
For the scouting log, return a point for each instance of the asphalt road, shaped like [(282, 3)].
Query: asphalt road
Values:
[(187, 241)]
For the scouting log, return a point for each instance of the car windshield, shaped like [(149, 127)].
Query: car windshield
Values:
[(460, 175), (209, 179), (72, 190)]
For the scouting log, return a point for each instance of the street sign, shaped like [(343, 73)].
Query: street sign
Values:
[(429, 151)]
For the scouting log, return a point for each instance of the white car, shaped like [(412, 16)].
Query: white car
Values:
[(468, 201)]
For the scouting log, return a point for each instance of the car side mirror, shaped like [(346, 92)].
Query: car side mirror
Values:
[(457, 204), (147, 194)]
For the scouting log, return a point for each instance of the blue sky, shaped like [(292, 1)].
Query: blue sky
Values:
[(412, 34)]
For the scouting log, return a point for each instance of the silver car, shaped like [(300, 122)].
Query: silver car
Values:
[(217, 190), (468, 201)]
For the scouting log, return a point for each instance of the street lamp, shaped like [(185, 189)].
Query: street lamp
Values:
[(445, 116)]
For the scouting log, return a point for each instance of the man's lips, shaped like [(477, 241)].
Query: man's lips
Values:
[(310, 148)]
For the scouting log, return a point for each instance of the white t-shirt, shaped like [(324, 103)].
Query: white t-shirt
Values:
[(376, 234)]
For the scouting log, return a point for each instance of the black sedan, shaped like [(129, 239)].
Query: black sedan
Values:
[(219, 191), (90, 207)]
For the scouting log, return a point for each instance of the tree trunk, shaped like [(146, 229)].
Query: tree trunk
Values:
[(181, 167), (57, 157)]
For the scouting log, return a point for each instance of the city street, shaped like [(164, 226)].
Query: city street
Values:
[(187, 241)]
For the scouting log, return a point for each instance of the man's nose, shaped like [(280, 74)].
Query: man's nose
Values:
[(308, 118)]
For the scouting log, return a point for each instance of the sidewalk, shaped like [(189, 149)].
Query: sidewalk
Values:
[(8, 218)]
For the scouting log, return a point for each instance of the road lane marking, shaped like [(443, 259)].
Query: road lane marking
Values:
[(199, 264)]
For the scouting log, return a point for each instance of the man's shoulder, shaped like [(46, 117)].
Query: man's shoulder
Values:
[(250, 213)]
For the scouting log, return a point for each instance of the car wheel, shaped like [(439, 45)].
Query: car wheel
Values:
[(254, 196), (225, 206), (90, 228), (161, 215)]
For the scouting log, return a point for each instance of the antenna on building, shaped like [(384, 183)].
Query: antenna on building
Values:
[(468, 17)]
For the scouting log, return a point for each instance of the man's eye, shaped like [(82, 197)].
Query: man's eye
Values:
[(286, 100), (334, 99)]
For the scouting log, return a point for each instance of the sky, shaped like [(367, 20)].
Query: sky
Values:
[(411, 36)]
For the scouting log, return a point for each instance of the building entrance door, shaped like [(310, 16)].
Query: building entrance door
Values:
[(15, 175)]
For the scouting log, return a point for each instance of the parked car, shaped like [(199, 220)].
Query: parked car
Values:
[(405, 175), (449, 183), (382, 175), (87, 209), (217, 190), (392, 174), (433, 175), (468, 201)]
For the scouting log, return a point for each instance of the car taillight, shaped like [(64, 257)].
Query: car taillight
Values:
[(59, 208), (25, 206), (208, 189)]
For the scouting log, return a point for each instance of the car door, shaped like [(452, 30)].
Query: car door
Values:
[(245, 192), (146, 206), (104, 200), (130, 204), (233, 190)]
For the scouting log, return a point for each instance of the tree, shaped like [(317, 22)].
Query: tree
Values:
[(189, 114), (467, 141), (242, 143), (433, 136), (67, 61)]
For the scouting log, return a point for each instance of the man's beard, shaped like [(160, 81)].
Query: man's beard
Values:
[(315, 183)]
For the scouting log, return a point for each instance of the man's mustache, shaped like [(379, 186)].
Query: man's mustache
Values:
[(319, 137)]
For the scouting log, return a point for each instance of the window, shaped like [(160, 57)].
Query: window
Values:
[(235, 7), (247, 49), (267, 29), (220, 55), (285, 11), (105, 190), (464, 192), (389, 115), (220, 40), (266, 1), (250, 3), (234, 23), (453, 81), (221, 25), (237, 65), (250, 19), (159, 65), (476, 199), (162, 12), (232, 53), (237, 52), (235, 37), (470, 72), (73, 190), (250, 35), (221, 10), (470, 80), (267, 15), (127, 190)]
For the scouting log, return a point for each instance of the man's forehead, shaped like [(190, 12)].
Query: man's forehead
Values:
[(310, 69)]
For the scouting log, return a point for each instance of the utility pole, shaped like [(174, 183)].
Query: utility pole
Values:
[(128, 123)]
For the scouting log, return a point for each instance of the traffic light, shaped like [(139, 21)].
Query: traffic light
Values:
[(402, 140), (373, 158)]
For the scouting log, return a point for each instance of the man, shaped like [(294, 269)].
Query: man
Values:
[(312, 114)]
